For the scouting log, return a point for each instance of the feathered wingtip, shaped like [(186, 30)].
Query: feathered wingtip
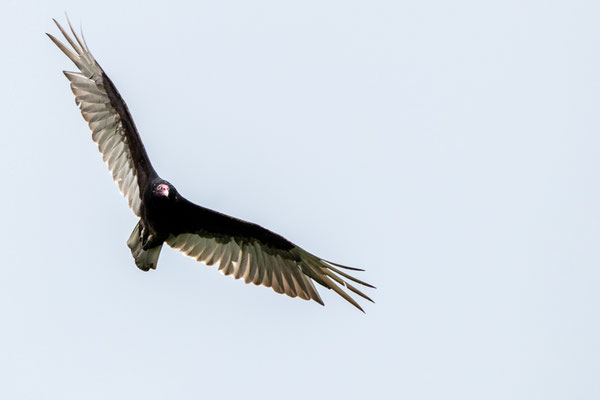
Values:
[(81, 55), (326, 274)]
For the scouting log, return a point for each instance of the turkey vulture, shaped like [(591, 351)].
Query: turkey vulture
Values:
[(242, 249)]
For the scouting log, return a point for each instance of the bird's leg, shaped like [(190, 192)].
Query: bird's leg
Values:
[(153, 240), (148, 241), (144, 235), (149, 238)]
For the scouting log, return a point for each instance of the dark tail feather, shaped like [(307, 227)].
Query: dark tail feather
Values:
[(144, 259)]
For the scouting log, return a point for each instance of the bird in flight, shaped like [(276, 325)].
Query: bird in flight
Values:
[(242, 249)]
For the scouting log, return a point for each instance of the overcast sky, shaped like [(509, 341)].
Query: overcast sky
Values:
[(449, 148)]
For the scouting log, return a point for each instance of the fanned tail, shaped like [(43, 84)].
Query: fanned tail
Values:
[(144, 259)]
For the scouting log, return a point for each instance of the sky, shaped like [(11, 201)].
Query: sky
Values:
[(450, 149)]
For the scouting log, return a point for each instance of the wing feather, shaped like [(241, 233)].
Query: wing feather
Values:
[(225, 263), (203, 249), (108, 117), (264, 269), (282, 270), (247, 271)]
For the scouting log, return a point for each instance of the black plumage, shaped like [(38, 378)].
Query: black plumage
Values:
[(242, 249)]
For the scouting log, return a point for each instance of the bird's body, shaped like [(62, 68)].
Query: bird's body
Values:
[(240, 248)]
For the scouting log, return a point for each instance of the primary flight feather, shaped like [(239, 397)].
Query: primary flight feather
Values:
[(242, 249)]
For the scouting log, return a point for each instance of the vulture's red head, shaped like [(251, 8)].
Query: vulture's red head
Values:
[(161, 190)]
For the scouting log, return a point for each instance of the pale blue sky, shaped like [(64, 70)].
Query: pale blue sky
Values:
[(449, 148)]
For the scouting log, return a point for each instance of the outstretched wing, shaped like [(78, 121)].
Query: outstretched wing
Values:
[(250, 252), (107, 115)]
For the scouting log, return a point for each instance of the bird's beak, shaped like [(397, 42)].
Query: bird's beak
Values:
[(162, 190)]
